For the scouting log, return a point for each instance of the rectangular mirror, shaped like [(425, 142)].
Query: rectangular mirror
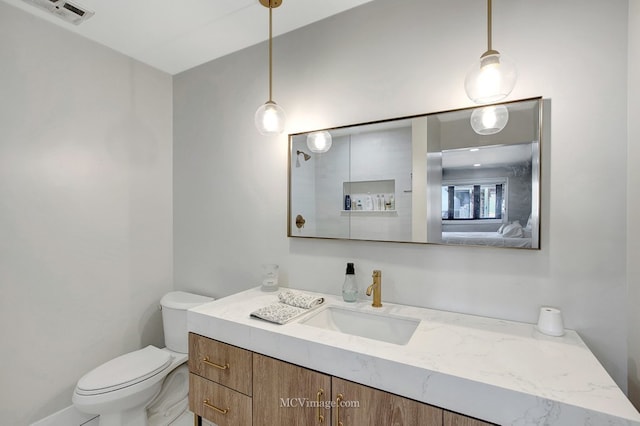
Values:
[(463, 177)]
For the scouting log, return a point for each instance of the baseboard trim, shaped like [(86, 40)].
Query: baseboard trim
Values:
[(69, 416)]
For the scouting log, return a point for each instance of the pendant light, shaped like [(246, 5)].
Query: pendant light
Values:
[(270, 117), (494, 76), (319, 142), (489, 120)]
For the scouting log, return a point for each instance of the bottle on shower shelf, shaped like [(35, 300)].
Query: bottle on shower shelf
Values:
[(368, 202)]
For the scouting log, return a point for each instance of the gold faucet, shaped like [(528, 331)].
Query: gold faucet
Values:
[(376, 287)]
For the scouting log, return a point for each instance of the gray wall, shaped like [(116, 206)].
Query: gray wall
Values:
[(390, 59), (633, 202), (85, 210)]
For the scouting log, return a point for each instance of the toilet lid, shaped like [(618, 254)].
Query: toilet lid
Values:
[(124, 371)]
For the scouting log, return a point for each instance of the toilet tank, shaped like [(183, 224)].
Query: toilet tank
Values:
[(174, 318)]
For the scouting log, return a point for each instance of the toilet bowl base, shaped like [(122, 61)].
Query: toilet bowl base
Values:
[(133, 417)]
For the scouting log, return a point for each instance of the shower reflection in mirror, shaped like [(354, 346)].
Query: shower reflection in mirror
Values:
[(305, 156)]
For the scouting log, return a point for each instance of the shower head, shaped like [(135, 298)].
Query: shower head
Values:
[(304, 154)]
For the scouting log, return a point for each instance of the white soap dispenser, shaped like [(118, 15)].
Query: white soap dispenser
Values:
[(350, 286)]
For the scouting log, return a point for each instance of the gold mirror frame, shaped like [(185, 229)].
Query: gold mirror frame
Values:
[(384, 158)]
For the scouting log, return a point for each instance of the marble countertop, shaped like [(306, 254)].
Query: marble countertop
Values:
[(500, 371)]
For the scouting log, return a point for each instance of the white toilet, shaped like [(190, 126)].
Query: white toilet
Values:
[(121, 389)]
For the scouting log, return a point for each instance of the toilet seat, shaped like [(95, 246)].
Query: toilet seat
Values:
[(124, 371)]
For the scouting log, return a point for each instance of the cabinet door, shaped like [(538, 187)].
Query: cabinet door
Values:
[(357, 405), (454, 419), (285, 394)]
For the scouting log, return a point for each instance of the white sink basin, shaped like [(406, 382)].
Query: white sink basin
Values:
[(378, 326)]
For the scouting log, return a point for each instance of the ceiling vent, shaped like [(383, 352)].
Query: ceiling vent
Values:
[(69, 11)]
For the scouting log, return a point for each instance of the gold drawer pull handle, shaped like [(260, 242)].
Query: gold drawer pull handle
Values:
[(320, 416), (339, 399), (213, 407), (213, 364)]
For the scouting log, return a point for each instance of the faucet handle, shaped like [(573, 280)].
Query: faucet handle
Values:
[(376, 286)]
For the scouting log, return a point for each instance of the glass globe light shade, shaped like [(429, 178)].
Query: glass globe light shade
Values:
[(270, 119), (491, 79), (489, 120), (319, 142)]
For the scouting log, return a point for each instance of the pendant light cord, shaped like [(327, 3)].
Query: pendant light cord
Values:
[(488, 25), (270, 54)]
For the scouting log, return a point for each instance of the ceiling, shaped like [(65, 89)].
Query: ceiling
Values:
[(487, 156), (174, 36)]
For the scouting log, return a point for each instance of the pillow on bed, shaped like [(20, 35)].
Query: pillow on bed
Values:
[(513, 230), (501, 229)]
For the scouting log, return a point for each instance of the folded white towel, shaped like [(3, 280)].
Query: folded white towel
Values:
[(300, 300), (292, 304), (279, 313)]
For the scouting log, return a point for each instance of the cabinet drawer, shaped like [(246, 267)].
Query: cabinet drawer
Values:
[(225, 364), (218, 403)]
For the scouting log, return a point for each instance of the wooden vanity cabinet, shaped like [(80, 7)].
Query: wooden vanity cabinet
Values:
[(220, 381), (286, 394), (357, 404), (231, 386)]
